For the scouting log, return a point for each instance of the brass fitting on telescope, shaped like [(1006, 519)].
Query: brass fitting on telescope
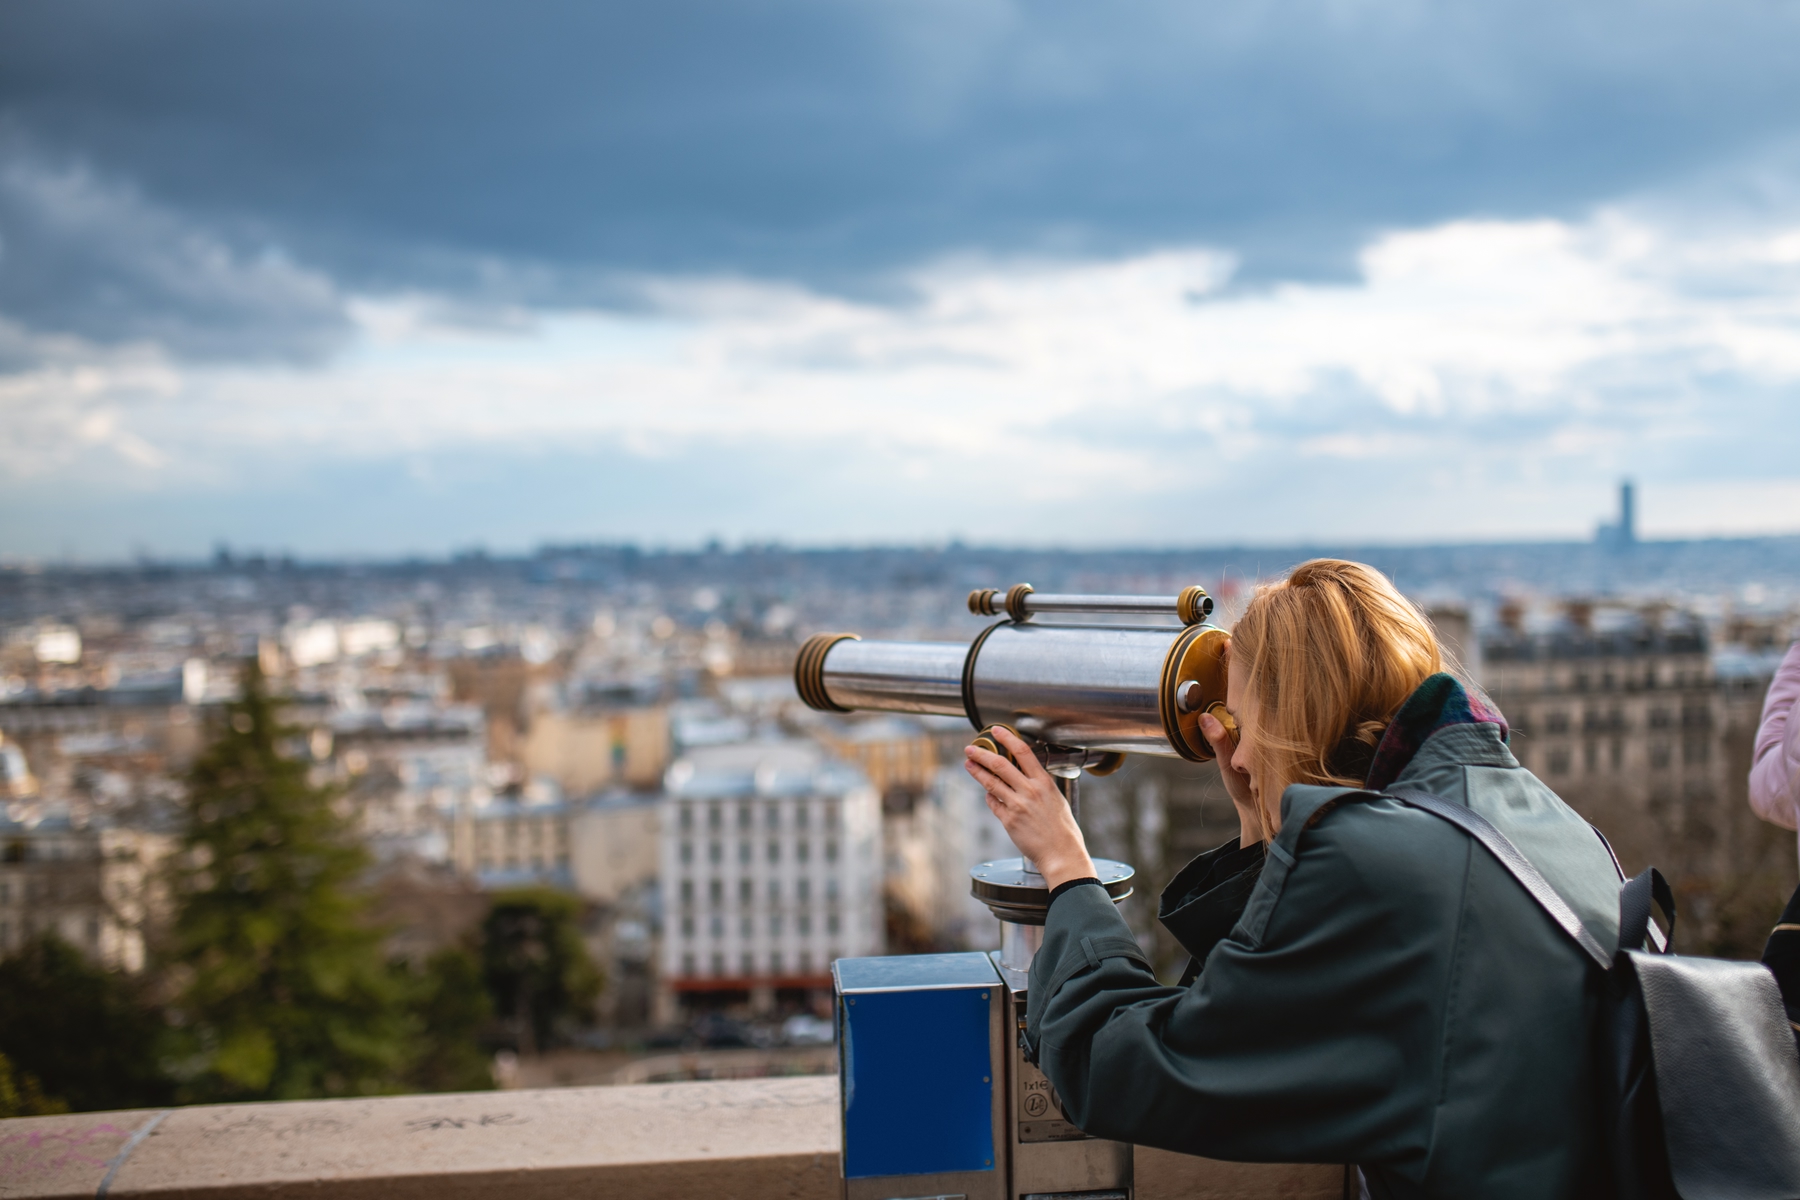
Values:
[(981, 601), (809, 670), (1193, 682), (985, 740), (1193, 605)]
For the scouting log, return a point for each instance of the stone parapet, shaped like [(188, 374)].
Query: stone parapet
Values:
[(761, 1139)]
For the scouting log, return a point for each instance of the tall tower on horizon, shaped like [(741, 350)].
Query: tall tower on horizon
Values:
[(1621, 534)]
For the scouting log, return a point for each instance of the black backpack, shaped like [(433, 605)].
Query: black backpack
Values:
[(1699, 1071)]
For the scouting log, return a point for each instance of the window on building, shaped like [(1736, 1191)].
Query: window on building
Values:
[(746, 816), (832, 923), (775, 962), (1590, 757), (715, 892), (687, 891), (802, 851), (1618, 754), (718, 966), (773, 817), (744, 854), (713, 817), (806, 962), (716, 927), (687, 927), (830, 851), (715, 853), (803, 924), (800, 815), (687, 818), (774, 851), (745, 929), (831, 814), (1559, 760), (1661, 754), (775, 925), (687, 854), (749, 963), (688, 968), (803, 890), (1695, 751), (774, 891), (1557, 721), (745, 891), (831, 888)]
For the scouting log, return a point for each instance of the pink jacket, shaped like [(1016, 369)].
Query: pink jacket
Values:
[(1775, 763)]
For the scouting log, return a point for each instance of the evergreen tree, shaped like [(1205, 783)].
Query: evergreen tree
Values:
[(77, 1034), (283, 991), (537, 968)]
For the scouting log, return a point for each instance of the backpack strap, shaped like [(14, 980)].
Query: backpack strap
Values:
[(1634, 910), (1659, 942), (1508, 855)]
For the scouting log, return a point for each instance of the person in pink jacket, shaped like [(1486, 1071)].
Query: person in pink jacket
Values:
[(1775, 794), (1775, 763)]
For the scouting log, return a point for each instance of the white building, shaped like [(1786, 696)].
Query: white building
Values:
[(771, 867)]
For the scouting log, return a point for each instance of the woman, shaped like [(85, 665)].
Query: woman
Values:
[(1380, 991)]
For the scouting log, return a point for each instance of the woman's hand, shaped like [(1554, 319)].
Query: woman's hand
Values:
[(1237, 783), (1036, 816)]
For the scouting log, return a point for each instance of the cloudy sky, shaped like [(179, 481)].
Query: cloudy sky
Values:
[(368, 276)]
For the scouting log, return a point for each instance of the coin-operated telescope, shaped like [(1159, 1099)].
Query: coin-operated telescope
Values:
[(1082, 692)]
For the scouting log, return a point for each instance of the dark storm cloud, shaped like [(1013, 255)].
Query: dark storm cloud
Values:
[(539, 148), (90, 257)]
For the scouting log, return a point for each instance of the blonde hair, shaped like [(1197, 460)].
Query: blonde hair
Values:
[(1328, 655)]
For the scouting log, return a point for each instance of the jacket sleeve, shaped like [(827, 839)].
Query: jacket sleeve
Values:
[(1305, 1039), (1775, 762)]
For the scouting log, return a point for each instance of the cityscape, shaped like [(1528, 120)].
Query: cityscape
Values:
[(620, 727)]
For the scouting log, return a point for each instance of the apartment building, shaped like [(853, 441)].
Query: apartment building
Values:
[(1622, 712), (770, 868), (93, 885), (513, 839)]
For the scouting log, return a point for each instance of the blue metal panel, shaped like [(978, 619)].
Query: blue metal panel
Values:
[(918, 1086)]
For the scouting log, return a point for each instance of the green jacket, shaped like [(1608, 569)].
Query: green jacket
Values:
[(1390, 997)]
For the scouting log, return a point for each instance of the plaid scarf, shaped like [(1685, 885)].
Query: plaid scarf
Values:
[(1438, 702)]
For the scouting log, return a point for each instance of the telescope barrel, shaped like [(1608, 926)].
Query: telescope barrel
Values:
[(908, 677), (1110, 688), (1096, 687)]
